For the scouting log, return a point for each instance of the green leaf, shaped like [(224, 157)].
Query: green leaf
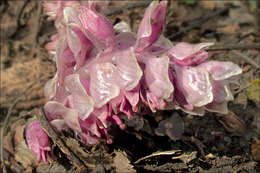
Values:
[(253, 91)]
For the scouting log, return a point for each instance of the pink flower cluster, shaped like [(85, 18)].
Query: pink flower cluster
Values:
[(38, 141), (102, 75)]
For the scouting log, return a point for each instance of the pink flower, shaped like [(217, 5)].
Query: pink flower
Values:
[(55, 8), (205, 86), (223, 73), (102, 76), (151, 26), (97, 28), (189, 54), (38, 141)]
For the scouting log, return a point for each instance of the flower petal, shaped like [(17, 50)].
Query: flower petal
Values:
[(221, 92), (157, 77), (50, 87), (71, 16), (90, 125), (217, 107), (221, 70), (38, 141), (58, 124), (133, 97), (195, 85), (189, 54), (82, 102), (124, 40), (128, 70), (55, 110), (155, 102), (102, 87), (102, 114), (159, 47), (151, 25), (98, 29), (65, 61)]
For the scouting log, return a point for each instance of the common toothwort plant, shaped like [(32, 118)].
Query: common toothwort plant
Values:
[(102, 75)]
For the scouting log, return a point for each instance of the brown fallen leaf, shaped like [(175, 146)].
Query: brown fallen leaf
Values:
[(24, 155), (21, 77), (14, 136), (228, 29), (8, 142), (55, 168), (172, 127), (232, 123), (18, 127), (255, 149), (122, 162)]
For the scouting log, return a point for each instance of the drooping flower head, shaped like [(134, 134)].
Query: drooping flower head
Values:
[(102, 75)]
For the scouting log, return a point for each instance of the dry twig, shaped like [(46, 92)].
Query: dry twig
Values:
[(159, 153), (4, 129), (246, 58)]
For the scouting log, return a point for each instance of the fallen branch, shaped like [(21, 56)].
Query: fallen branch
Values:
[(159, 153), (225, 47), (246, 58), (60, 143)]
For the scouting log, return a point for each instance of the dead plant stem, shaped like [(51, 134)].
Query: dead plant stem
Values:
[(4, 129)]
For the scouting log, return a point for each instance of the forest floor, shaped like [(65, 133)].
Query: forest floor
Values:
[(209, 143)]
